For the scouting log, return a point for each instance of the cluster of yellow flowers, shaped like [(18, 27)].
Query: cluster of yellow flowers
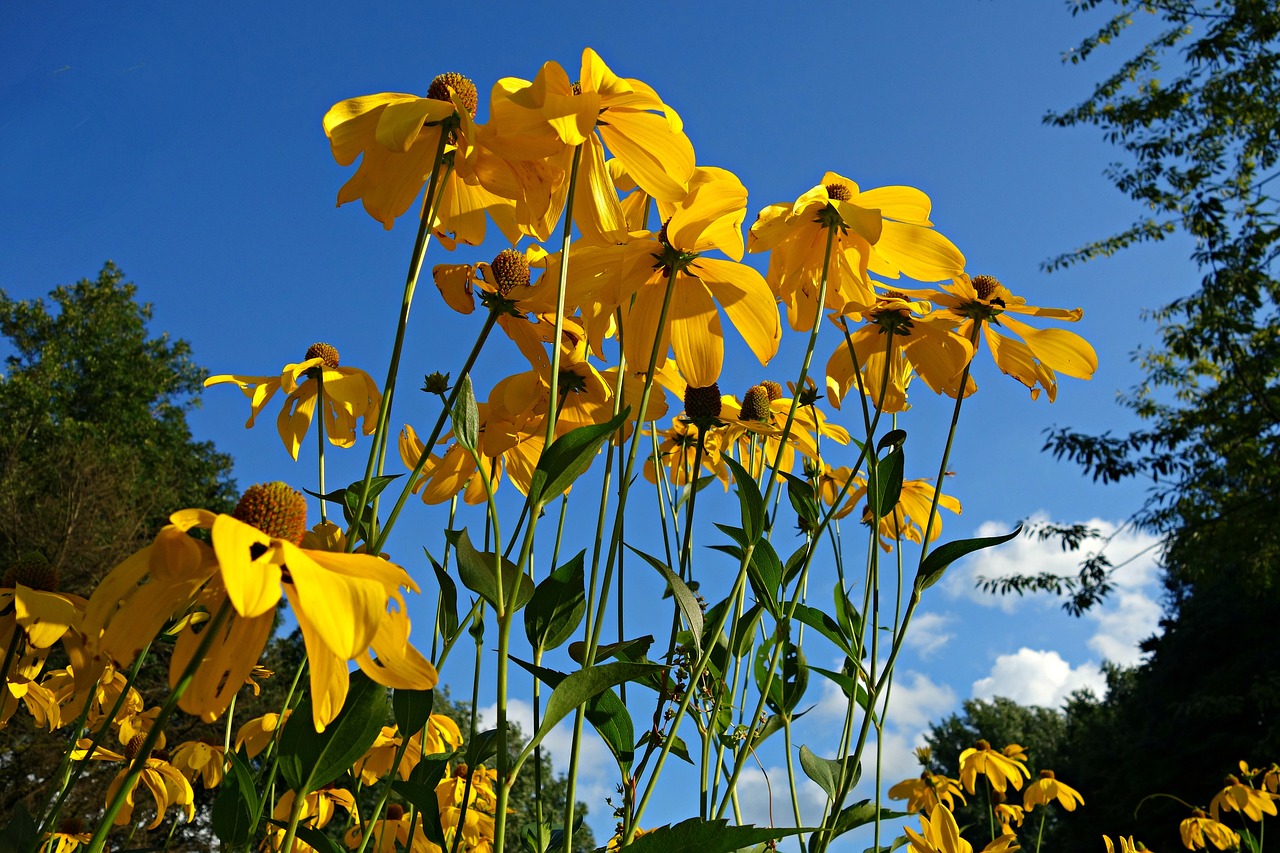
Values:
[(657, 263)]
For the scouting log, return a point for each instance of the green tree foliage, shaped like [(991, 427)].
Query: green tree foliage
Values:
[(1197, 111), (95, 450)]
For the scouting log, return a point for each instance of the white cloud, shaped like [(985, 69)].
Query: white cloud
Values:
[(1133, 551), (1043, 678), (1127, 619), (766, 800), (928, 634)]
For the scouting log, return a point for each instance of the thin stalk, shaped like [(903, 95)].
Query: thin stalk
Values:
[(386, 793), (295, 815), (595, 622), (406, 301), (435, 434), (98, 842), (51, 818), (319, 380), (560, 289)]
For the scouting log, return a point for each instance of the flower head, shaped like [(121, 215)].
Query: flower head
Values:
[(1046, 789), (350, 394), (1239, 797), (1000, 768), (1199, 831)]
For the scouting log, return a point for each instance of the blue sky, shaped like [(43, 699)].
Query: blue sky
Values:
[(184, 143)]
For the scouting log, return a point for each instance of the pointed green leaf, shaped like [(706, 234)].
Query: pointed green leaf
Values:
[(827, 772), (685, 599), (567, 457), (465, 415), (824, 625), (309, 760), (20, 835), (803, 500), (478, 575), (236, 804), (788, 684), (622, 649), (847, 684), (939, 559), (886, 484), (582, 686), (317, 839), (749, 499), (482, 747), (448, 606), (557, 605), (605, 712), (412, 709)]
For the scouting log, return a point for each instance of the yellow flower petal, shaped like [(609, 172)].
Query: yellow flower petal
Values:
[(253, 584)]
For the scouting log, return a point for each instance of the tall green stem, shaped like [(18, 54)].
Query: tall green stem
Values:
[(406, 301), (560, 289)]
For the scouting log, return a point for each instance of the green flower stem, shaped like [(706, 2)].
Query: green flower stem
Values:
[(435, 436), (596, 618), (791, 772), (471, 735), (804, 368), (694, 677), (319, 380), (295, 815), (98, 842), (386, 793), (560, 289), (410, 284), (1040, 834), (51, 819)]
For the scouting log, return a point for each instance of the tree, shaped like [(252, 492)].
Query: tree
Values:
[(1197, 111), (95, 450)]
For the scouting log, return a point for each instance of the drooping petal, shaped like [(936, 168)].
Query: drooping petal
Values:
[(1060, 350), (253, 583), (330, 679), (344, 609), (921, 253), (696, 336), (661, 162), (746, 298), (295, 418)]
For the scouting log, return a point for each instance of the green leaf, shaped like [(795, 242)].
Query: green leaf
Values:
[(803, 500), (465, 415), (622, 649), (764, 570), (605, 712), (678, 747), (685, 599), (317, 839), (696, 835), (827, 772), (847, 614), (420, 790), (20, 835), (568, 457), (824, 625), (582, 686), (448, 612), (847, 684), (893, 438), (476, 570), (886, 484), (749, 499), (412, 709), (236, 804), (482, 747), (939, 559), (744, 633), (557, 605), (787, 687), (309, 760)]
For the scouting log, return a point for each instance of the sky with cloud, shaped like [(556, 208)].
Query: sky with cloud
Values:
[(184, 142)]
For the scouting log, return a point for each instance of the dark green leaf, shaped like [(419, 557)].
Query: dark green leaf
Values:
[(678, 748), (482, 747), (886, 484), (476, 569), (824, 625), (567, 457), (685, 599), (20, 835), (465, 415), (557, 605), (583, 685), (448, 613), (236, 805), (696, 835), (744, 633), (847, 614), (318, 839), (847, 683), (309, 760), (605, 712), (940, 558), (630, 648), (750, 500), (412, 709), (803, 501), (420, 790), (893, 438)]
